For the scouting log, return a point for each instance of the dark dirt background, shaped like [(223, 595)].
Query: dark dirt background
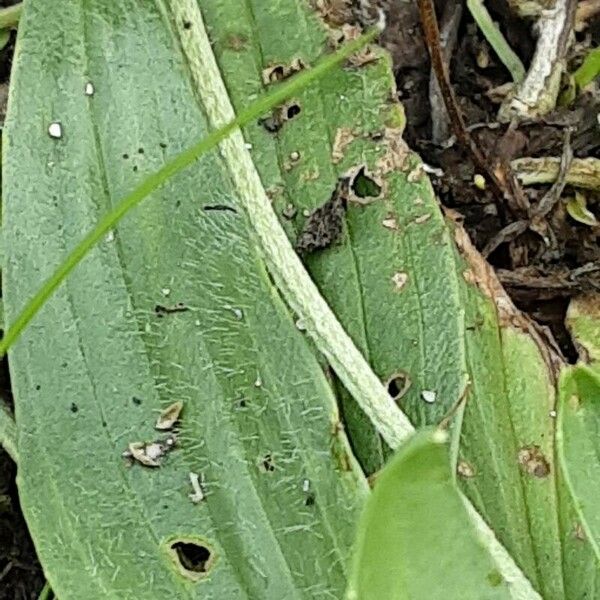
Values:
[(540, 279)]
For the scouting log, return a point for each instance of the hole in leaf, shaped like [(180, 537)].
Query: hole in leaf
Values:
[(293, 110), (398, 384), (268, 464), (193, 557), (364, 186)]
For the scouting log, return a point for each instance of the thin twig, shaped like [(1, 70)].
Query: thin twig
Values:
[(440, 126), (500, 175), (506, 234), (497, 41), (538, 92), (552, 196)]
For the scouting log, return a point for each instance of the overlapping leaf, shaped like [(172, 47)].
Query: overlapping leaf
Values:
[(175, 305)]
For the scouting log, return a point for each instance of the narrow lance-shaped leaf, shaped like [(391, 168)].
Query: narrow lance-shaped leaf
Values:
[(258, 485), (429, 319), (389, 275)]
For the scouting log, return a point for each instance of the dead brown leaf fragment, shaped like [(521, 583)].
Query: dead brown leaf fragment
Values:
[(343, 137), (169, 416), (149, 454), (482, 275)]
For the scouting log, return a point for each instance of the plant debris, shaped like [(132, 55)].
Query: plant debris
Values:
[(169, 416), (325, 224), (150, 454)]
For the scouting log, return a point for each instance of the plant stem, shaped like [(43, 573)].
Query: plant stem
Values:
[(9, 16), (180, 162), (497, 41), (8, 431), (46, 593), (288, 272)]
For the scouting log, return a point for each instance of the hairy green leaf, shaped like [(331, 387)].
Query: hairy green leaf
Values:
[(259, 493), (390, 274), (424, 316)]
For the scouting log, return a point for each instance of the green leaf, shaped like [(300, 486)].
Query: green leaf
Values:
[(583, 321), (408, 328), (579, 447), (589, 69), (415, 539), (419, 312), (507, 464), (280, 488), (578, 210)]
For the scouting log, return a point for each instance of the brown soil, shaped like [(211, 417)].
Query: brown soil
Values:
[(541, 277)]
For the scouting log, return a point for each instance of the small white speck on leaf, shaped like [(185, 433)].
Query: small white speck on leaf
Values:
[(197, 482), (552, 413), (89, 89), (295, 156), (258, 381), (390, 223), (306, 212), (55, 130), (464, 469), (300, 325), (423, 218), (400, 280), (110, 236), (248, 146), (439, 436), (428, 396), (197, 322), (239, 313), (166, 291), (305, 485)]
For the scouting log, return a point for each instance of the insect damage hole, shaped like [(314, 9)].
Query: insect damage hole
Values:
[(364, 186), (193, 557), (397, 385)]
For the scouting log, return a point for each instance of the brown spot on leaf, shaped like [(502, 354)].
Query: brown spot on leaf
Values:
[(533, 461), (343, 137), (395, 153), (335, 12), (169, 416), (236, 42), (423, 218), (579, 533)]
